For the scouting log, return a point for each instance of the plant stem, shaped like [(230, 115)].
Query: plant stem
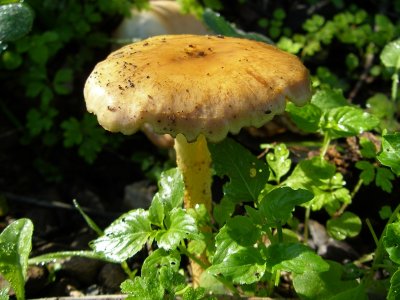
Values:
[(306, 222), (280, 235), (204, 266), (131, 274), (353, 193), (395, 83), (325, 145)]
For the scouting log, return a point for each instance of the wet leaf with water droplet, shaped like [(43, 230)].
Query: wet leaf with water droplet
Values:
[(15, 247)]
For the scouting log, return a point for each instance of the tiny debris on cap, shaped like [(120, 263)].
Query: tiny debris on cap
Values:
[(194, 85)]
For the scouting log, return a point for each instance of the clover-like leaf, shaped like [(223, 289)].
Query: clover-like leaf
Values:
[(15, 247), (390, 155), (124, 237), (294, 257), (180, 225), (346, 225), (247, 174), (384, 179), (367, 171)]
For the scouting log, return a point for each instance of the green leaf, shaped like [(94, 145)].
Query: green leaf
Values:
[(394, 290), (346, 225), (306, 117), (294, 257), (247, 174), (16, 20), (390, 155), (244, 266), (368, 171), (158, 259), (390, 55), (180, 225), (383, 179), (385, 212), (381, 106), (368, 149), (39, 53), (86, 134), (243, 231), (391, 241), (171, 280), (220, 26), (279, 162), (4, 294), (319, 177), (347, 121), (143, 288), (170, 195), (277, 205), (194, 294), (41, 120), (62, 82), (322, 285), (326, 99), (125, 236), (15, 247), (11, 60)]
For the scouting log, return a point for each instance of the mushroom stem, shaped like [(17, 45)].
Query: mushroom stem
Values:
[(194, 160)]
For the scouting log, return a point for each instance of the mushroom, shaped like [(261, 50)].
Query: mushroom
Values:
[(197, 89)]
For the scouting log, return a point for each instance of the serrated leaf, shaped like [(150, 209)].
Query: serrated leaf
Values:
[(347, 121), (277, 205), (143, 288), (390, 155), (368, 171), (391, 241), (220, 26), (170, 195), (346, 225), (15, 247), (171, 280), (158, 259), (294, 257), (390, 55), (383, 179), (16, 20), (322, 285), (194, 294), (394, 290), (279, 161), (243, 231), (247, 174), (125, 236), (180, 225), (306, 117)]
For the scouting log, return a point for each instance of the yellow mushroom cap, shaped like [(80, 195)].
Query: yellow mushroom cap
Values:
[(194, 85)]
